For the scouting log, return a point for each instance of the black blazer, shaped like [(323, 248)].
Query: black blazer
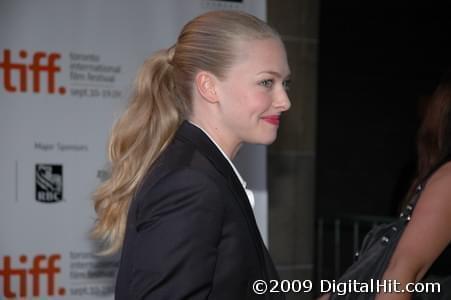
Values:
[(191, 232)]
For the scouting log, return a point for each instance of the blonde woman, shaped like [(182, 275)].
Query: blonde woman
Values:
[(175, 204)]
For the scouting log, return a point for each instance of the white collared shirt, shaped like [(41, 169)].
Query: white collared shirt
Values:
[(249, 193)]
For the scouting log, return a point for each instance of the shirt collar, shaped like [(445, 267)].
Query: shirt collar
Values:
[(243, 183)]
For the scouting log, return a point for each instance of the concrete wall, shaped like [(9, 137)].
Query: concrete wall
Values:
[(291, 159)]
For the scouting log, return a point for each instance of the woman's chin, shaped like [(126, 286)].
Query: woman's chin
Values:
[(267, 140)]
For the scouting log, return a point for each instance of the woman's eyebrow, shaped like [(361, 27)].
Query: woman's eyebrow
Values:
[(274, 73)]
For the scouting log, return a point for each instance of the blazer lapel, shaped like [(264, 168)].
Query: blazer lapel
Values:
[(191, 134)]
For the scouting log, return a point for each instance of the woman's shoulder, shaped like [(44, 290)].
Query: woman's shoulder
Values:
[(183, 186), (179, 154), (436, 195), (178, 176), (427, 233), (440, 180)]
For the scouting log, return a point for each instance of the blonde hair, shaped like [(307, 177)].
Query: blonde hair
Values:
[(160, 102)]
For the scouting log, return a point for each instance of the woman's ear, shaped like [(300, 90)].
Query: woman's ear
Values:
[(206, 86)]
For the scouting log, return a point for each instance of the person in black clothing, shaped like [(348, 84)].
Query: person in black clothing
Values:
[(175, 204), (424, 252)]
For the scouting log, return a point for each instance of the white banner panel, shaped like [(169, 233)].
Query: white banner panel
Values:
[(66, 68)]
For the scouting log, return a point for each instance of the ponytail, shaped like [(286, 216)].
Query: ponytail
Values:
[(138, 137)]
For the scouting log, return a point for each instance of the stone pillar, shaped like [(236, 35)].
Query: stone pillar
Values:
[(291, 159)]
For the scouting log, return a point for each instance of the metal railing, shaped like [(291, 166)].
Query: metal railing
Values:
[(338, 239)]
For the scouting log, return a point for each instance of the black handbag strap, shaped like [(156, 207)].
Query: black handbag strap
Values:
[(407, 212)]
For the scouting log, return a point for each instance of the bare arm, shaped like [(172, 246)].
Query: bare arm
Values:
[(426, 235), (324, 297)]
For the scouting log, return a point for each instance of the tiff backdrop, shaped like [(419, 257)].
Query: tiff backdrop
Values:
[(66, 69)]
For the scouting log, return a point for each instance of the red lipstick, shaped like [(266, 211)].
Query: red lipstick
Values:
[(274, 119)]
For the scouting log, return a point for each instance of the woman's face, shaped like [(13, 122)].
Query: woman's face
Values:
[(253, 93)]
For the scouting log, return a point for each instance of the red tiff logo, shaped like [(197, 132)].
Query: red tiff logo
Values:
[(42, 63), (41, 267)]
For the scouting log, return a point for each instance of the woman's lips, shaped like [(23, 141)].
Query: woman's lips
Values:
[(275, 119)]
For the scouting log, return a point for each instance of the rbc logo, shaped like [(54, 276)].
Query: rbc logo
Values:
[(49, 183), (42, 63)]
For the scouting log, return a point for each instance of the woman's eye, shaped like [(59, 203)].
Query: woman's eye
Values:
[(266, 83)]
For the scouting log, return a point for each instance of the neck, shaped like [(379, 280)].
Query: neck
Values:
[(227, 145)]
